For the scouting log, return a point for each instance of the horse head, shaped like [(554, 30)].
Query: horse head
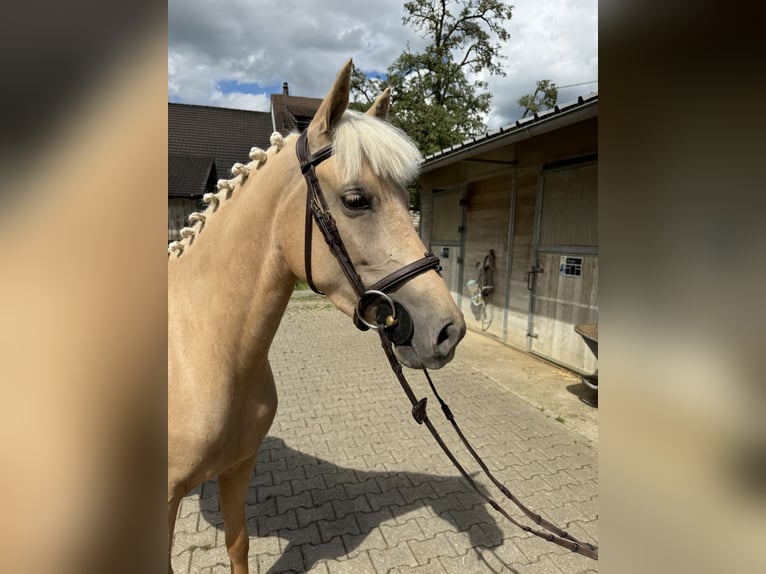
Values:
[(363, 182)]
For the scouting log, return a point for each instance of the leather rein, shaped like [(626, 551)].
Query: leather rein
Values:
[(389, 325)]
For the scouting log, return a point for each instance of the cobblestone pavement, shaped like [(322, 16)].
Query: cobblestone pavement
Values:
[(347, 482)]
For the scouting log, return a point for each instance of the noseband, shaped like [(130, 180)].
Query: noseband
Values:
[(397, 320)]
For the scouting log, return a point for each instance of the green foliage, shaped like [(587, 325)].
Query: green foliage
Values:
[(545, 97), (433, 100)]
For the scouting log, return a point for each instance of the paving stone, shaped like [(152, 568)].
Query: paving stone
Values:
[(266, 492), (419, 509), (329, 529), (323, 495), (394, 481), (307, 535), (419, 492), (208, 557), (285, 503), (315, 514), (291, 560), (201, 539), (187, 523), (385, 560), (187, 507), (332, 549), (369, 485), (209, 489), (347, 476), (468, 539), (476, 515), (390, 498), (433, 525), (262, 544), (564, 515), (356, 543), (395, 534), (472, 562), (428, 550), (314, 483), (181, 562), (572, 562), (266, 508), (433, 567), (272, 524), (542, 566), (359, 564), (534, 548), (344, 507)]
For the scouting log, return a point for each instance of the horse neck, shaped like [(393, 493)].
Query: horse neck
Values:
[(230, 287)]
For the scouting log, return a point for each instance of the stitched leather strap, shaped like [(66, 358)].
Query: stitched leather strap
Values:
[(395, 280)]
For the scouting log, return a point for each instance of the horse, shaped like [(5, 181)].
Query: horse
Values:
[(231, 276)]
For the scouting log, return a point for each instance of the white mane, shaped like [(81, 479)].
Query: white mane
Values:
[(390, 153)]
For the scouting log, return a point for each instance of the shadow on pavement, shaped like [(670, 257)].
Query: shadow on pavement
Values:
[(461, 513), (586, 395)]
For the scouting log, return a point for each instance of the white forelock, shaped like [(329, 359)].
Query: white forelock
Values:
[(386, 149)]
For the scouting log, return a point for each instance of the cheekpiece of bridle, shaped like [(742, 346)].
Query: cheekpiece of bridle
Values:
[(394, 326), (390, 315)]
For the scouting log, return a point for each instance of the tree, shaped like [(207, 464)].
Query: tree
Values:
[(433, 99), (548, 94)]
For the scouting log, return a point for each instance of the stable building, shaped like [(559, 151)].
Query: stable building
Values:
[(527, 194)]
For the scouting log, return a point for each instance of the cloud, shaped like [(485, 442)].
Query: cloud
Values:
[(222, 43)]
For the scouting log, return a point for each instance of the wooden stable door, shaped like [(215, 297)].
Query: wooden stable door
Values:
[(564, 281), (564, 295), (446, 236)]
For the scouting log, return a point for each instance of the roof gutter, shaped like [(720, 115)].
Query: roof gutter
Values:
[(508, 136)]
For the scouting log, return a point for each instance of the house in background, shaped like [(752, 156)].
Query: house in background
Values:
[(189, 178), (204, 142), (292, 113), (529, 193)]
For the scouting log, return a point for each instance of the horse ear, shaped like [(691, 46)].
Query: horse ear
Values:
[(331, 109), (379, 109)]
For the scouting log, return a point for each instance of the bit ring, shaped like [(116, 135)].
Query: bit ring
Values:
[(360, 310)]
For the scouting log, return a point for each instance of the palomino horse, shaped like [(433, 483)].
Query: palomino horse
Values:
[(230, 279)]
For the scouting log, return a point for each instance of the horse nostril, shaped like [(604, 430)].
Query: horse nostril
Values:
[(444, 335)]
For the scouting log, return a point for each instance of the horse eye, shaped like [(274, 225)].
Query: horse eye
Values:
[(355, 201)]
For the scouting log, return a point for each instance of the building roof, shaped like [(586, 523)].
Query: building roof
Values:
[(542, 122), (224, 134), (190, 175), (292, 113)]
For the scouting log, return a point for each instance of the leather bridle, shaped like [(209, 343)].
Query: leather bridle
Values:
[(317, 208), (394, 326)]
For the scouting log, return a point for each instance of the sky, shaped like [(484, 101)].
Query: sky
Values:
[(235, 53)]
